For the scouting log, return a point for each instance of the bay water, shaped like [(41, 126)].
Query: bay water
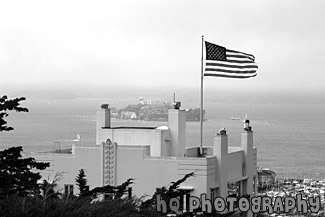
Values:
[(290, 138)]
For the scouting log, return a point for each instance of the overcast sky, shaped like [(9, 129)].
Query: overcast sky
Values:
[(158, 43)]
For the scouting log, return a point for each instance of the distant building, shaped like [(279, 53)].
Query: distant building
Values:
[(156, 156), (141, 101), (266, 178)]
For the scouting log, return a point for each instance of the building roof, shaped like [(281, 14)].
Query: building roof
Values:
[(140, 128)]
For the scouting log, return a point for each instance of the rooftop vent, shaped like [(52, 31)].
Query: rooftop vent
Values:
[(177, 105), (247, 126), (104, 105), (222, 132)]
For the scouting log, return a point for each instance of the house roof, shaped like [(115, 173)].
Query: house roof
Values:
[(265, 172)]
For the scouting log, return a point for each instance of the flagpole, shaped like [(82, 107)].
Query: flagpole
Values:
[(201, 107)]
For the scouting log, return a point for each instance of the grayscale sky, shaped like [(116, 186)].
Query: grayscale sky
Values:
[(68, 44)]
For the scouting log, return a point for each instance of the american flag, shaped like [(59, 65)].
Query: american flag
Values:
[(221, 62)]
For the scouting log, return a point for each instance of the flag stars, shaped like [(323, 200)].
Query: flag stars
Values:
[(215, 52)]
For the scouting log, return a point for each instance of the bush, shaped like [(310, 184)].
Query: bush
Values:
[(60, 207)]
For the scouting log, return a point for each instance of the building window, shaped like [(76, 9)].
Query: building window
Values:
[(213, 193), (68, 189), (234, 189)]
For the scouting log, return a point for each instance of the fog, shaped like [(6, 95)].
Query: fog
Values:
[(66, 49)]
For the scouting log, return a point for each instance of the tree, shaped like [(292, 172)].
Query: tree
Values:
[(82, 182), (167, 193), (48, 187), (9, 105), (15, 172), (16, 176)]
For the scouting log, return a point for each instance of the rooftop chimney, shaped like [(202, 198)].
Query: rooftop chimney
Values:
[(248, 167), (221, 152), (103, 119), (177, 126)]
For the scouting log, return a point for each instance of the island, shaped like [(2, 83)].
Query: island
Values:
[(152, 110)]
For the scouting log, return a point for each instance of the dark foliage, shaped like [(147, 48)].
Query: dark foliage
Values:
[(16, 176), (35, 207), (47, 187), (167, 194), (67, 206), (117, 191), (9, 105), (173, 192)]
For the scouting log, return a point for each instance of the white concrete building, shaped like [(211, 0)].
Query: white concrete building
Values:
[(156, 156)]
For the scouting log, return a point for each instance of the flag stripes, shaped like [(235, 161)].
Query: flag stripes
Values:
[(228, 76), (221, 62)]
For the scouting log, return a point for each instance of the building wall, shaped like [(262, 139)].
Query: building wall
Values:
[(158, 140), (165, 143), (255, 160), (153, 172), (235, 165), (148, 172), (87, 158)]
